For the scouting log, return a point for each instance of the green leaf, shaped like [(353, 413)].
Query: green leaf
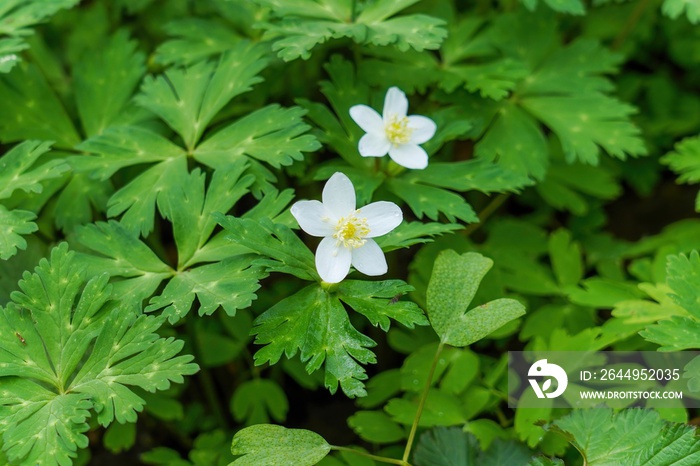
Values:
[(452, 287), (105, 81), (453, 447), (194, 39), (607, 438), (16, 16), (674, 334), (375, 427), (379, 301), (515, 140), (229, 284), (586, 122), (566, 258), (303, 24), (313, 322), (122, 254), (188, 99), (272, 134), (572, 7), (255, 401), (685, 161), (269, 444), (682, 275), (189, 208), (123, 146), (411, 233), (18, 170), (430, 201), (33, 108), (674, 8), (119, 437), (14, 224), (85, 352), (284, 251), (441, 409), (569, 186)]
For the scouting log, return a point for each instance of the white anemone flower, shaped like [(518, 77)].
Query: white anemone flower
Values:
[(393, 132), (347, 232)]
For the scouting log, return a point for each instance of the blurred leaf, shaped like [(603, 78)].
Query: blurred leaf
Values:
[(255, 401)]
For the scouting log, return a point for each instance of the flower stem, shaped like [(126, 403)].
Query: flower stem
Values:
[(421, 404), (382, 459), (632, 21), (487, 212), (206, 380)]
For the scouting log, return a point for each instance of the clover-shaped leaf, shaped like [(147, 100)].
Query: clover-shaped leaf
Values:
[(452, 287)]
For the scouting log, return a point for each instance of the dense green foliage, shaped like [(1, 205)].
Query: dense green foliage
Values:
[(160, 303)]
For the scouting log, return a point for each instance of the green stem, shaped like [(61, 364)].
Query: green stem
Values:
[(381, 459), (206, 380), (421, 404), (487, 212), (632, 21)]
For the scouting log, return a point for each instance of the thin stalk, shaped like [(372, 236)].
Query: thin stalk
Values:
[(421, 405), (381, 459), (487, 212), (632, 21), (206, 380)]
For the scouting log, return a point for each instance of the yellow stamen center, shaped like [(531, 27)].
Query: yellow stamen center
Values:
[(397, 130), (351, 230)]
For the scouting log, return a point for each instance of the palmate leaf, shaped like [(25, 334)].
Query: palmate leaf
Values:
[(217, 273), (68, 351), (315, 324), (565, 90), (188, 99), (300, 25), (637, 436)]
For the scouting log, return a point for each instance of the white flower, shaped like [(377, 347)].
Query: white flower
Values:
[(393, 132), (347, 232)]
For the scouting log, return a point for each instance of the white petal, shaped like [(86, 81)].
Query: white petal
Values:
[(339, 195), (332, 263), (369, 259), (382, 217), (374, 145), (367, 118), (313, 218), (409, 156), (423, 128), (395, 104)]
